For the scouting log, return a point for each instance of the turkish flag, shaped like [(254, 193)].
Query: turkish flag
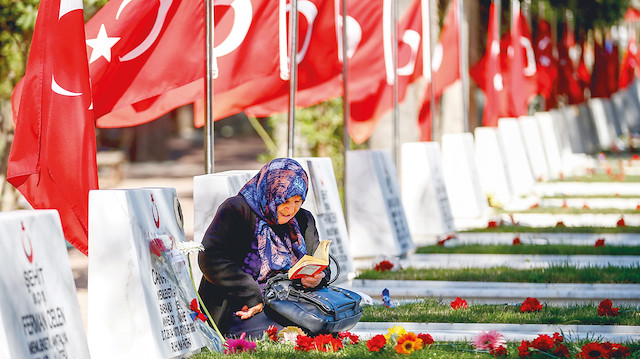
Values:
[(446, 68), (629, 64), (599, 84), (488, 75), (520, 66), (371, 67), (318, 60), (567, 77), (584, 77), (546, 62), (138, 51), (53, 156), (613, 65)]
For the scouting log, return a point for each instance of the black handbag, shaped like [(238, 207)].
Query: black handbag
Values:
[(329, 309)]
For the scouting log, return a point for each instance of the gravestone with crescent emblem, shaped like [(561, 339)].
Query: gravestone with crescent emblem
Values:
[(39, 312), (424, 193), (142, 302), (209, 191), (376, 217), (323, 201)]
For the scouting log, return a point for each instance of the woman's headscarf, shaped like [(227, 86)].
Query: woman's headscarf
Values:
[(276, 182)]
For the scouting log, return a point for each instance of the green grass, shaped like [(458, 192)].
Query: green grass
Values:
[(547, 249), (570, 210), (444, 350), (624, 196), (432, 311), (552, 274), (582, 229), (599, 177)]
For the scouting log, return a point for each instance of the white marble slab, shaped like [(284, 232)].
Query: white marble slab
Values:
[(139, 288), (492, 171), (634, 102), (516, 159), (534, 148), (39, 312), (604, 127), (587, 129), (572, 129), (376, 217), (550, 144), (424, 193), (323, 201), (461, 177)]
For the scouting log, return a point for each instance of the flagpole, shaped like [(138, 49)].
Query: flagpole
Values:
[(208, 123), (464, 67), (396, 110), (346, 110), (427, 66), (293, 73)]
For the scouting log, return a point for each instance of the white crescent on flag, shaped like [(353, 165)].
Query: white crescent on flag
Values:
[(66, 6), (165, 5)]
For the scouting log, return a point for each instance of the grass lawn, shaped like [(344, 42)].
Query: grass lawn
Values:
[(547, 249), (433, 311), (599, 177), (570, 210), (560, 229), (552, 274)]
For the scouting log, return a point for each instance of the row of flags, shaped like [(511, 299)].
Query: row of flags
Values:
[(136, 60)]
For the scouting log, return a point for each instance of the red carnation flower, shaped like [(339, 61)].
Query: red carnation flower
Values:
[(385, 265), (616, 350), (599, 242), (535, 205), (516, 241), (492, 224), (327, 343), (459, 303), (427, 339), (560, 224), (376, 343), (593, 350), (523, 349), (272, 332), (304, 343), (352, 338), (621, 223), (530, 305), (501, 351), (543, 342), (606, 309)]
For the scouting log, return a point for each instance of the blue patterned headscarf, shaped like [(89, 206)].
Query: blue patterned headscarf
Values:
[(276, 182)]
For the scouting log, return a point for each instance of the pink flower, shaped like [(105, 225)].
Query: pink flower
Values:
[(237, 346), (459, 303), (490, 340)]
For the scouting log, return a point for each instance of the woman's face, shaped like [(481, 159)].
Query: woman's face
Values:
[(288, 209)]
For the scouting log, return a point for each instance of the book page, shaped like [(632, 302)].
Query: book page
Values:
[(322, 252)]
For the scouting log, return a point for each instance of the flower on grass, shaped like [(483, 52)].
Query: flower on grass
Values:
[(620, 222), (427, 339), (501, 351), (348, 338), (408, 343), (616, 350), (327, 343), (376, 343), (606, 309), (459, 303), (551, 346), (240, 345), (599, 242), (523, 349), (492, 224), (304, 343), (543, 343), (535, 205), (490, 340), (530, 305), (395, 332), (516, 241), (593, 350), (385, 265), (560, 224), (290, 334), (272, 333)]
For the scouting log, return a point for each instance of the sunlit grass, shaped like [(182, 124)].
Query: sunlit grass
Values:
[(570, 210), (561, 229), (552, 274), (546, 249), (599, 177)]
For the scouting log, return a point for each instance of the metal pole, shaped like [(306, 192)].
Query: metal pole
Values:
[(427, 66), (396, 110), (464, 71), (293, 78), (208, 123), (346, 111)]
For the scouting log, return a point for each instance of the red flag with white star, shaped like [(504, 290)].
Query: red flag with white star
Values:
[(53, 156)]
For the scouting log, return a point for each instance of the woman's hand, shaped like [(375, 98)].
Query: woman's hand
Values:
[(246, 312), (312, 281)]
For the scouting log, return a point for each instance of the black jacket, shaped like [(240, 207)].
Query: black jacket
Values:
[(224, 287)]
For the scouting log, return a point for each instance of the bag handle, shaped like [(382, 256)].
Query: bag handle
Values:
[(337, 268)]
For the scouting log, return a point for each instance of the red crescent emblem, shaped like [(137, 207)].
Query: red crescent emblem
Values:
[(29, 255), (154, 212)]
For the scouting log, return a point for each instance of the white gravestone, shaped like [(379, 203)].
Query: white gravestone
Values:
[(39, 311), (424, 193), (376, 219), (461, 176), (491, 166), (587, 129), (141, 298), (323, 201), (604, 128), (613, 113), (573, 130), (550, 144), (209, 191), (517, 160), (534, 148)]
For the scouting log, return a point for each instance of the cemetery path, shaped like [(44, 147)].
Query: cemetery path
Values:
[(187, 160)]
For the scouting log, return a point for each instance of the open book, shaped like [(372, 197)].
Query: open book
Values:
[(312, 265)]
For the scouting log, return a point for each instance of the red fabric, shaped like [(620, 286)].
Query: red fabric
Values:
[(53, 156), (567, 78), (446, 68), (370, 80), (520, 67), (584, 77), (149, 56), (632, 14), (488, 76), (629, 64), (546, 63), (599, 86), (613, 66)]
